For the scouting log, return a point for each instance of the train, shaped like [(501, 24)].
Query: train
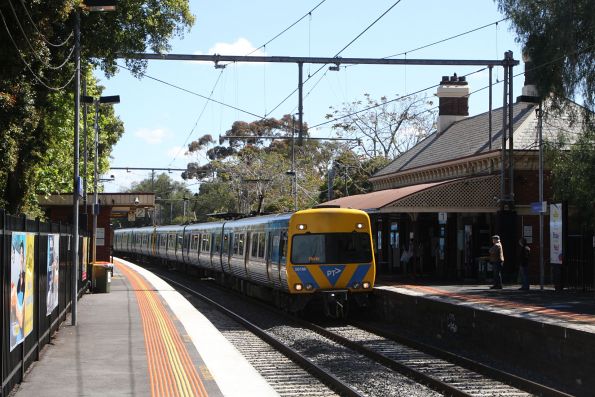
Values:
[(321, 256)]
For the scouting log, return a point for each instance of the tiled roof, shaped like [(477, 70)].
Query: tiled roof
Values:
[(466, 138), (381, 198)]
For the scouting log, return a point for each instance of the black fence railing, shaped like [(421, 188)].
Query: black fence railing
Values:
[(36, 277), (578, 270)]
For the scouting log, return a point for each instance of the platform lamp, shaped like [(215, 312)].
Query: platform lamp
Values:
[(90, 5), (102, 100)]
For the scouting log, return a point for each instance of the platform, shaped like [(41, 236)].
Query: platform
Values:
[(141, 339), (545, 332)]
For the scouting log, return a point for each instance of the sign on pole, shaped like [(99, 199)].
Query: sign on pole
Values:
[(556, 233)]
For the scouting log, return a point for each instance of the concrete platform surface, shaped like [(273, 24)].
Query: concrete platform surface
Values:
[(141, 339)]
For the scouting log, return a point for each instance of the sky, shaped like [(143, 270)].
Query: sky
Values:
[(161, 120)]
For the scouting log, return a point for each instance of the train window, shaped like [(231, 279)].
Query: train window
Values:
[(178, 242), (283, 247), (206, 243), (217, 247), (254, 243), (261, 244), (331, 248), (226, 243)]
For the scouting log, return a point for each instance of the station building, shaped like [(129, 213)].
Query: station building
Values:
[(58, 208), (448, 195)]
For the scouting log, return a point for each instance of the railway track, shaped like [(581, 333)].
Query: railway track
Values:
[(351, 360)]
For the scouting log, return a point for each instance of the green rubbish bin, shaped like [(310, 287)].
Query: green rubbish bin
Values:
[(102, 277)]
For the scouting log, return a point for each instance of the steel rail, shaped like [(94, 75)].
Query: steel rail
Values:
[(327, 378), (491, 372)]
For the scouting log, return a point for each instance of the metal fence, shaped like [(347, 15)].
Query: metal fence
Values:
[(578, 270), (36, 298)]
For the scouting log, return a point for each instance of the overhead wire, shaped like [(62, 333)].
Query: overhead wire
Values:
[(33, 51), (193, 93), (309, 13), (407, 52), (336, 55), (38, 78), (41, 34), (471, 93), (198, 119), (446, 39)]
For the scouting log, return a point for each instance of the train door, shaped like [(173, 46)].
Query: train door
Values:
[(226, 251), (273, 267), (216, 251), (282, 258)]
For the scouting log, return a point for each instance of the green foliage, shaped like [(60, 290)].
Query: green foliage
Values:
[(169, 201), (36, 100), (351, 175), (250, 175), (559, 37), (573, 173)]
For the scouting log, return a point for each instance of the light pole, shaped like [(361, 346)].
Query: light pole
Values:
[(102, 100), (91, 5)]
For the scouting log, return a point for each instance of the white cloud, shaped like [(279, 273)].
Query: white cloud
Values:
[(240, 47), (152, 137), (179, 152)]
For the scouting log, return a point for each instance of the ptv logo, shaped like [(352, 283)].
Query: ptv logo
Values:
[(333, 273)]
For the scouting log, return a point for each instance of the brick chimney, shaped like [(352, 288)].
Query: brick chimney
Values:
[(529, 92), (453, 101)]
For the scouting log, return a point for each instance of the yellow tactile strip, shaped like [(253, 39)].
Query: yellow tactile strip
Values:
[(171, 370)]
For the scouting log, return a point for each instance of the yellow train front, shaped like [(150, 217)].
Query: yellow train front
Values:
[(331, 254)]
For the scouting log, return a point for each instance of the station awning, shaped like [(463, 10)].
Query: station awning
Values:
[(477, 194)]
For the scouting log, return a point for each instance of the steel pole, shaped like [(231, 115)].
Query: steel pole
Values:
[(95, 166), (541, 210), (76, 184)]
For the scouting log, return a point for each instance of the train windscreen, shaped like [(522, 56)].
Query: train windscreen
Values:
[(331, 248)]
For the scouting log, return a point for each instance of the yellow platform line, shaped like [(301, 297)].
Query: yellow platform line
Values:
[(171, 370)]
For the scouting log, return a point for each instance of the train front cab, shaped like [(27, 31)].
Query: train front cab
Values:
[(332, 256)]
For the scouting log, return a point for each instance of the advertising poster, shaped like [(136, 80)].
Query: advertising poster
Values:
[(85, 261), (29, 282), (556, 233), (53, 269), (17, 288)]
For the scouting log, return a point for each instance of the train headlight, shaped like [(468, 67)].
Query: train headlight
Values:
[(359, 225), (302, 226), (309, 287), (366, 285), (298, 287)]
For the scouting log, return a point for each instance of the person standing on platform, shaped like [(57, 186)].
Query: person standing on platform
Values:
[(524, 255), (497, 260)]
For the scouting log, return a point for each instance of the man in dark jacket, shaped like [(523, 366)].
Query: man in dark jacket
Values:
[(524, 255)]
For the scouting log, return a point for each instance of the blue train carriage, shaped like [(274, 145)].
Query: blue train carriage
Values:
[(202, 245), (331, 255), (251, 251)]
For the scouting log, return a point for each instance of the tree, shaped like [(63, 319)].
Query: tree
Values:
[(573, 172), (384, 127), (36, 104), (169, 197), (559, 37), (351, 174), (255, 170)]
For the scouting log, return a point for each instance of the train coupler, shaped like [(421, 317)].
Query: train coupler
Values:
[(336, 304)]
